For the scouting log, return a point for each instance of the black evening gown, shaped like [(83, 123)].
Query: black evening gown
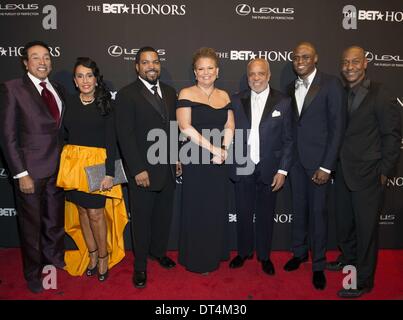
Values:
[(203, 238)]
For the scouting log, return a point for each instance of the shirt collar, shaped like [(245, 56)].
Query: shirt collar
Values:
[(37, 81), (310, 77), (148, 85), (357, 86), (264, 94)]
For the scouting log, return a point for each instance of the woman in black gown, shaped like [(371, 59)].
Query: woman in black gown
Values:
[(90, 134), (203, 239)]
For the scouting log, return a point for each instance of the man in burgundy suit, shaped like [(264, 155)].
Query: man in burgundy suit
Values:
[(31, 109)]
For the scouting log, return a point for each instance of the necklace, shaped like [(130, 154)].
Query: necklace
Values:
[(207, 94), (85, 102)]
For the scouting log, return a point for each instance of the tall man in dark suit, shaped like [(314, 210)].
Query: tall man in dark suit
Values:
[(142, 106), (319, 115), (369, 152), (265, 117), (31, 110)]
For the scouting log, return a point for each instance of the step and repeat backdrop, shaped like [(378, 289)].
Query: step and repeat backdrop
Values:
[(112, 32)]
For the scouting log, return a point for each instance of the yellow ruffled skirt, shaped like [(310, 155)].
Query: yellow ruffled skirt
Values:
[(72, 176)]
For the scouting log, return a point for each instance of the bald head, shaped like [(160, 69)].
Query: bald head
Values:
[(353, 65), (258, 72)]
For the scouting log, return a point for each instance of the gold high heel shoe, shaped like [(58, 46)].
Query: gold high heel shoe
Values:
[(92, 271)]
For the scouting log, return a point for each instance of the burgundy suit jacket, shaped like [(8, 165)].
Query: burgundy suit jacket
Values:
[(30, 138)]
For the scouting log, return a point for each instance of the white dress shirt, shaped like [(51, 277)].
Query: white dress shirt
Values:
[(150, 86), (258, 102), (301, 91)]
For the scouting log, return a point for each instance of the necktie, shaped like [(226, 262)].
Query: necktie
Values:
[(155, 89), (50, 101), (159, 100), (299, 82)]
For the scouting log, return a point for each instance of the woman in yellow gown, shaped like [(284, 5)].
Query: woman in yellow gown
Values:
[(94, 220)]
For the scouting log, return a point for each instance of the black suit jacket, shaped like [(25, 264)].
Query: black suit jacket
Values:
[(137, 113), (320, 127), (275, 133), (371, 144)]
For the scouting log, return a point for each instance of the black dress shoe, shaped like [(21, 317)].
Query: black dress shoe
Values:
[(164, 262), (268, 267), (238, 261), (335, 266), (293, 263), (35, 286), (140, 279), (319, 280), (353, 293)]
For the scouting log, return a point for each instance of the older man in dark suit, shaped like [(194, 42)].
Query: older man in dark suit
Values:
[(265, 117), (31, 110), (142, 106), (319, 115), (369, 153)]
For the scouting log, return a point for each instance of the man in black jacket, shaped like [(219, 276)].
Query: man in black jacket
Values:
[(144, 105), (369, 152)]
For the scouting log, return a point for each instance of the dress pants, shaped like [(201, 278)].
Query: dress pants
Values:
[(152, 213), (357, 220), (310, 216), (41, 226), (253, 196)]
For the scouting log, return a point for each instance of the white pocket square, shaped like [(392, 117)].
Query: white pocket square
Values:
[(276, 113)]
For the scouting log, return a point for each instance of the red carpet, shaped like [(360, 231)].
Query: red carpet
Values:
[(247, 283)]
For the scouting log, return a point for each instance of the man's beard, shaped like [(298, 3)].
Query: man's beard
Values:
[(152, 82)]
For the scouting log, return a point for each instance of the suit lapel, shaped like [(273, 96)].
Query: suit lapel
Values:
[(360, 96), (39, 100), (149, 97), (312, 92), (61, 97), (270, 103), (164, 100), (35, 94), (245, 100), (291, 93)]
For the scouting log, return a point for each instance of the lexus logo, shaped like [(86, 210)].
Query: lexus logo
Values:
[(115, 51), (369, 56), (243, 9)]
